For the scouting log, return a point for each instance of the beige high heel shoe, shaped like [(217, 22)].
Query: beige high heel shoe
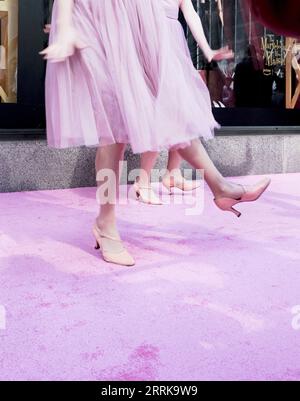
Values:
[(146, 195), (170, 182), (118, 256), (250, 195)]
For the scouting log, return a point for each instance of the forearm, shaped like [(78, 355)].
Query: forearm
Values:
[(221, 13), (194, 23), (65, 12)]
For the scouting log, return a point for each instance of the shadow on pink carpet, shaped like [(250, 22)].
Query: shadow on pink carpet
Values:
[(210, 298)]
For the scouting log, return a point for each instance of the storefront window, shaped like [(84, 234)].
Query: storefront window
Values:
[(265, 72), (8, 50)]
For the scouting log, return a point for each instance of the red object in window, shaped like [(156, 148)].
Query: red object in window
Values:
[(282, 16)]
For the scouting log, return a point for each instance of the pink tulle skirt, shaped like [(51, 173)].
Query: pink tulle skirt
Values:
[(134, 82)]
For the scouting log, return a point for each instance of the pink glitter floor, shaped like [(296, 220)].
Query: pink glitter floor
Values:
[(210, 297)]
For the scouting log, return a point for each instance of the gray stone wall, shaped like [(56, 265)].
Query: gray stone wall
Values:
[(31, 165)]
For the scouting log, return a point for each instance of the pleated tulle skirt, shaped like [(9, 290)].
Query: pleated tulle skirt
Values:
[(134, 82)]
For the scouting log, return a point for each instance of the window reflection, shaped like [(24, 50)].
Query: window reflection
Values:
[(8, 50), (265, 71)]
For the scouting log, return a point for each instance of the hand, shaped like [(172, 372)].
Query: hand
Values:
[(221, 54), (65, 46)]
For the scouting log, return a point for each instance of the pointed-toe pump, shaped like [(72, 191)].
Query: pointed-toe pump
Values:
[(146, 195), (250, 195), (118, 255)]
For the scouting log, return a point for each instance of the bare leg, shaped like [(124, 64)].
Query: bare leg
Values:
[(143, 188), (196, 155), (174, 177), (148, 160), (109, 157), (174, 161), (106, 233), (173, 168)]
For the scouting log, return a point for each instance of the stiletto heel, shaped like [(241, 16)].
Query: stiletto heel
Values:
[(146, 195), (137, 195), (236, 212), (226, 204), (251, 195), (118, 256)]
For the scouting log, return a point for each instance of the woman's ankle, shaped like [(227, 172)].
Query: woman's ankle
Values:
[(108, 225), (144, 181), (227, 189), (175, 173)]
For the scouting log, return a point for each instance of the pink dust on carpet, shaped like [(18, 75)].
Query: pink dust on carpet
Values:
[(210, 297)]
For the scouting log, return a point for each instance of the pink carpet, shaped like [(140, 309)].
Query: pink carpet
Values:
[(211, 296)]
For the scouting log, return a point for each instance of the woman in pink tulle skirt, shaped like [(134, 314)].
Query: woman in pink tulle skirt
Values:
[(116, 77), (198, 96)]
